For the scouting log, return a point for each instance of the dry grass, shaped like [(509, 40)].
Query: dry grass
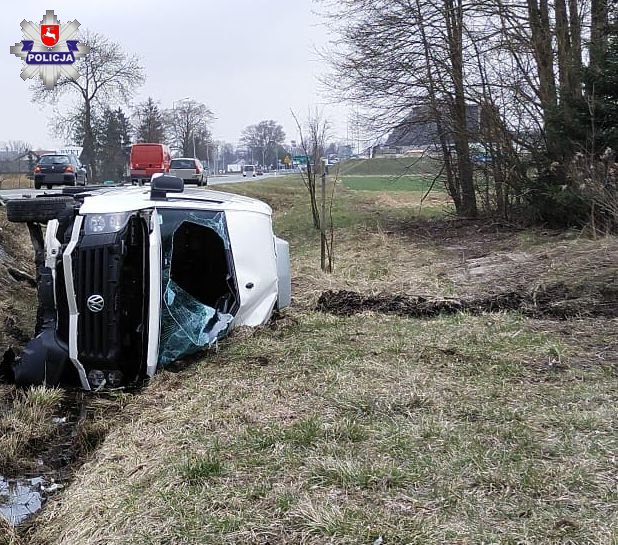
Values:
[(26, 422), (15, 181), (8, 536), (321, 429), (17, 303)]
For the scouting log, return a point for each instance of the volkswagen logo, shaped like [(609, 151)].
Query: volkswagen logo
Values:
[(95, 303)]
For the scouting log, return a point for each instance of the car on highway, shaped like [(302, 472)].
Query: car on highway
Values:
[(249, 171), (131, 279), (59, 169), (190, 170), (146, 160)]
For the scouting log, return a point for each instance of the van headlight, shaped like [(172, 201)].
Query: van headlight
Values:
[(98, 224)]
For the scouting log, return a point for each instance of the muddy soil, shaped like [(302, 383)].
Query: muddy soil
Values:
[(557, 301), (47, 463)]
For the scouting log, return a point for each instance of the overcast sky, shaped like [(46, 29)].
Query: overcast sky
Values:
[(248, 60)]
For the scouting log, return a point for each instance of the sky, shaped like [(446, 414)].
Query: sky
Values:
[(248, 60)]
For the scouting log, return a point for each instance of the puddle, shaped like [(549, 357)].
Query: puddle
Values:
[(20, 498)]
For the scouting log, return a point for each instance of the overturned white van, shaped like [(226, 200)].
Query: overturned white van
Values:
[(133, 278)]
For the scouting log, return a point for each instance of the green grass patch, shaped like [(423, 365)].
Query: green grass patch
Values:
[(388, 167), (387, 183), (197, 470)]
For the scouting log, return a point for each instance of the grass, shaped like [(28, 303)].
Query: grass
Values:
[(387, 183), (388, 167), (322, 429), (15, 181), (28, 420)]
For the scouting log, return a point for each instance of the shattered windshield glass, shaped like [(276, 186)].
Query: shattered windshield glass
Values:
[(198, 285)]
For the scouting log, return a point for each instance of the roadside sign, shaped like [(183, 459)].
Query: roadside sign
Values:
[(301, 159)]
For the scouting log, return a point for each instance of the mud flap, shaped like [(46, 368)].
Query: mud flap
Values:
[(43, 361)]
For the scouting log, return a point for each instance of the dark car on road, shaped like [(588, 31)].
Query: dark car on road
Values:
[(59, 169)]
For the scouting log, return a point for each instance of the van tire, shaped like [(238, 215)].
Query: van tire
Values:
[(40, 210)]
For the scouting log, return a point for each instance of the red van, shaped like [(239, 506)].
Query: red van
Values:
[(148, 159)]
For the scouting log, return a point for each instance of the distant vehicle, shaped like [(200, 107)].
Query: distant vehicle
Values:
[(189, 170), (259, 171), (148, 159), (249, 170), (59, 169)]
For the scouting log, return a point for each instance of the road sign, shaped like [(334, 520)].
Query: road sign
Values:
[(301, 159)]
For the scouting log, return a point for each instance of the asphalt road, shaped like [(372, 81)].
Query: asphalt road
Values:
[(8, 194)]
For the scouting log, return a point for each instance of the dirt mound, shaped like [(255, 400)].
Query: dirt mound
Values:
[(556, 301)]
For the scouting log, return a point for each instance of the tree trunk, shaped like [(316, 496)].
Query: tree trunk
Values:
[(598, 34), (89, 152), (454, 19), (538, 16)]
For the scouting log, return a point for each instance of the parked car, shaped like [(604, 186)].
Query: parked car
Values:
[(249, 170), (130, 280), (148, 159), (59, 169), (259, 171), (190, 170)]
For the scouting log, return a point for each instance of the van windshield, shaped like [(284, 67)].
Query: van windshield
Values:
[(249, 168)]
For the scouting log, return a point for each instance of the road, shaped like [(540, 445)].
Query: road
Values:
[(8, 194)]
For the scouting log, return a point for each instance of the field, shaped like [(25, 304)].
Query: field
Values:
[(15, 181), (355, 418)]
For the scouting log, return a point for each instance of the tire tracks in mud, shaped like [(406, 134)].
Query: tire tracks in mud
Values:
[(557, 301)]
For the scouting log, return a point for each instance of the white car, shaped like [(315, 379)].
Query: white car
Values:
[(133, 278), (189, 170)]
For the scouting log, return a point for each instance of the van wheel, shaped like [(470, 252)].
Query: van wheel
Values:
[(41, 209)]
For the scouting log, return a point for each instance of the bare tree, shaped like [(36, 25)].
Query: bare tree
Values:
[(18, 146), (108, 77), (265, 137), (397, 57), (314, 134), (188, 123), (520, 63)]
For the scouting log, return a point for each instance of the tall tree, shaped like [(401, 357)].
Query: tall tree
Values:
[(264, 140), (395, 58), (149, 122), (188, 123), (108, 77), (114, 129)]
